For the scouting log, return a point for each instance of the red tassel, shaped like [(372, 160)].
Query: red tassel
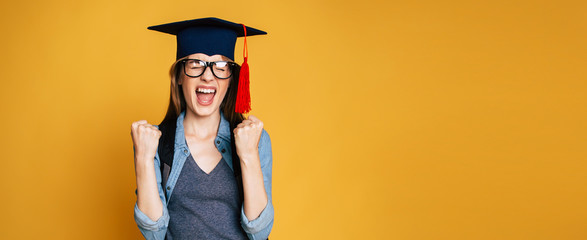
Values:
[(243, 95)]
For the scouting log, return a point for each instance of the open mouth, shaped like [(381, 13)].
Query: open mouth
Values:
[(205, 96)]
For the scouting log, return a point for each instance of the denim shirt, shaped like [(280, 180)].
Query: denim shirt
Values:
[(258, 228)]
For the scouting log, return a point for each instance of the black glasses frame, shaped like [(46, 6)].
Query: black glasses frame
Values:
[(209, 64)]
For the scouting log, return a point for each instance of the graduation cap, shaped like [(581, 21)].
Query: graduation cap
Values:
[(213, 36)]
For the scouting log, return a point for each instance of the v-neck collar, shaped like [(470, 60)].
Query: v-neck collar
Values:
[(198, 168)]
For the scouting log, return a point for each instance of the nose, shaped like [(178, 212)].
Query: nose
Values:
[(207, 75)]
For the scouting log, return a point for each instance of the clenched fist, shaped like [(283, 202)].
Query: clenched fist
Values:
[(246, 137), (145, 138)]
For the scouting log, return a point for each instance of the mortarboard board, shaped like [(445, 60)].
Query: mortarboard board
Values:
[(213, 36), (206, 35)]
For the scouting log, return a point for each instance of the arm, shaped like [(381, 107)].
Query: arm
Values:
[(150, 211), (257, 212)]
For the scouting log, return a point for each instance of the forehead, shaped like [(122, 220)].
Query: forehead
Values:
[(207, 58)]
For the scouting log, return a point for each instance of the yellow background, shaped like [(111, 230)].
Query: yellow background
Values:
[(389, 119)]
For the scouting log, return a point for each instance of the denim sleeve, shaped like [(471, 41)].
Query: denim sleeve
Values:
[(260, 227), (153, 230)]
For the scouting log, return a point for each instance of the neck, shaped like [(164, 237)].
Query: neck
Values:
[(201, 127)]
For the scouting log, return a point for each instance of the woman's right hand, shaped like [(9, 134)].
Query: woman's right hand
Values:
[(145, 138)]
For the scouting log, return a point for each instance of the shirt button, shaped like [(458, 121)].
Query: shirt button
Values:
[(217, 142), (168, 188), (185, 151), (223, 150)]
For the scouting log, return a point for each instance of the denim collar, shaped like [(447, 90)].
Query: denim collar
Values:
[(223, 129)]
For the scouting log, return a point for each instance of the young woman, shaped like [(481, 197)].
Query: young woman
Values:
[(219, 182)]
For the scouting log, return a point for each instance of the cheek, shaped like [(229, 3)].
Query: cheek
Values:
[(188, 85), (224, 86), (186, 88), (223, 89)]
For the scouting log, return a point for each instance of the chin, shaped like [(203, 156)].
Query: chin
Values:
[(204, 111)]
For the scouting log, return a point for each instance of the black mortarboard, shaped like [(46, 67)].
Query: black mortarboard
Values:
[(213, 36), (210, 36)]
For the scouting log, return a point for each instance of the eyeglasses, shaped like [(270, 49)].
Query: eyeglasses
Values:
[(220, 69)]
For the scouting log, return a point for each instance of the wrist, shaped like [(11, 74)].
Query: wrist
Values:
[(249, 157), (142, 167), (141, 157)]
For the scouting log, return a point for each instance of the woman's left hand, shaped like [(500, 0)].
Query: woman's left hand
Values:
[(247, 135)]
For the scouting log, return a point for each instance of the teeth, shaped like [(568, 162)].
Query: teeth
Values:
[(205, 90)]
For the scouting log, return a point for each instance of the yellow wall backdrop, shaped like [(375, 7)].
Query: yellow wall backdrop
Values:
[(389, 119)]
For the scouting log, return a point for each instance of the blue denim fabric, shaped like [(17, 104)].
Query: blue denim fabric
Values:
[(258, 228)]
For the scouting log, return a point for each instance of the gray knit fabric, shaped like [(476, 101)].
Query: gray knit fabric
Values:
[(205, 206)]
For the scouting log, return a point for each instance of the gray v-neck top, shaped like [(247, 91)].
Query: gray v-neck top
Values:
[(205, 206)]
